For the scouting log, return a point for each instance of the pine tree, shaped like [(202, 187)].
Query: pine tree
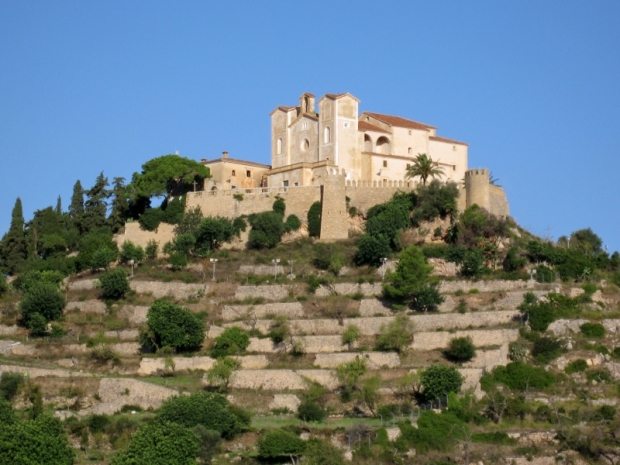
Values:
[(96, 206), (120, 205), (59, 205), (13, 248), (76, 209)]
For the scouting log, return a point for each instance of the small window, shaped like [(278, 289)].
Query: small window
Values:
[(304, 126), (296, 184), (409, 151), (347, 125), (279, 146), (285, 183), (409, 132), (453, 167), (248, 174), (454, 148), (232, 187), (385, 163), (408, 165), (233, 173), (326, 135)]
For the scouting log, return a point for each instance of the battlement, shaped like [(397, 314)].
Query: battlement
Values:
[(477, 172)]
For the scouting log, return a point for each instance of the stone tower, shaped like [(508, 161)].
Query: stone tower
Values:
[(334, 215), (477, 187)]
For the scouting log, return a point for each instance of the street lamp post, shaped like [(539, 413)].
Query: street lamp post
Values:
[(291, 262), (214, 261), (131, 262), (275, 262), (383, 267)]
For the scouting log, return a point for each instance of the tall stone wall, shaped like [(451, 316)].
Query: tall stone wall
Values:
[(364, 195), (223, 203), (498, 201), (141, 237), (334, 224)]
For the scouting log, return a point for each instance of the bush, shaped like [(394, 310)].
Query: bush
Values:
[(178, 260), (4, 286), (214, 231), (97, 423), (349, 374), (606, 412), (130, 251), (209, 409), (114, 284), (600, 375), (232, 341), (439, 380), (310, 411), (434, 432), (519, 375), (396, 335), (33, 277), (328, 257), (44, 299), (279, 207), (277, 443), (267, 229), (279, 330), (91, 243), (37, 325), (540, 314), (151, 249), (102, 258), (593, 330), (350, 335), (184, 243), (160, 443), (576, 366), (292, 223), (318, 452), (546, 349), (513, 261), (496, 437), (314, 219), (371, 249), (9, 384), (170, 325), (239, 224), (471, 265), (222, 370), (461, 349)]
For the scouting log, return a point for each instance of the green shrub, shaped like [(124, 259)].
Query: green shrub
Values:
[(293, 223), (575, 366), (440, 380), (606, 412), (9, 384), (593, 330), (314, 219), (267, 230), (461, 349), (169, 325), (616, 353), (279, 207), (102, 258), (279, 330), (371, 249), (178, 260), (160, 443), (232, 341), (350, 335), (214, 231), (184, 243), (151, 249), (114, 284), (546, 349), (130, 251), (519, 375), (600, 375), (277, 443), (220, 373), (239, 225), (513, 261), (496, 437), (396, 335), (37, 325), (98, 423), (328, 257), (43, 299), (34, 277), (472, 263), (311, 411), (434, 432), (318, 452), (209, 409), (539, 314), (4, 286), (349, 374)]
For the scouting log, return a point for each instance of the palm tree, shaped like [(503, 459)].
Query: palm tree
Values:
[(424, 167)]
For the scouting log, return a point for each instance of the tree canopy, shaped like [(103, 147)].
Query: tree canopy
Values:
[(168, 175), (424, 167)]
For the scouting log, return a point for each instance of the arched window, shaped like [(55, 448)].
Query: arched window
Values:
[(383, 145), (327, 135), (279, 146), (305, 145), (367, 143)]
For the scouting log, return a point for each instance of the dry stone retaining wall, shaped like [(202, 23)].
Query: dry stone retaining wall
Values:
[(43, 372), (484, 286), (82, 284), (366, 289), (268, 292), (136, 315), (289, 401), (157, 289), (282, 380), (261, 270), (88, 306), (489, 359), (123, 335), (374, 360), (150, 366), (289, 309), (441, 339), (8, 330)]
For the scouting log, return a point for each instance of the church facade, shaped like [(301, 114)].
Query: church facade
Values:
[(367, 147)]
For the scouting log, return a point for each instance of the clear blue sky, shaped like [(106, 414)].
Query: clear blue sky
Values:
[(533, 87)]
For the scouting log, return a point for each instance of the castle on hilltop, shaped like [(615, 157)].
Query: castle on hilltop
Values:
[(336, 154)]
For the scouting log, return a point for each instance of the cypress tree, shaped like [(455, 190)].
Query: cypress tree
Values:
[(120, 205), (96, 206), (59, 205), (13, 248), (76, 208)]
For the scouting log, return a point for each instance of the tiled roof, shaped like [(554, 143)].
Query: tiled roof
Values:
[(308, 94), (399, 122), (337, 96), (364, 126), (450, 141), (236, 160)]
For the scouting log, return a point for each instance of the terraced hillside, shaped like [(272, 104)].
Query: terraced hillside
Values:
[(100, 368)]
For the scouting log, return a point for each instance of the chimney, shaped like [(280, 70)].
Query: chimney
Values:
[(224, 154)]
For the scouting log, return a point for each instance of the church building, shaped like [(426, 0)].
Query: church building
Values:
[(366, 147)]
